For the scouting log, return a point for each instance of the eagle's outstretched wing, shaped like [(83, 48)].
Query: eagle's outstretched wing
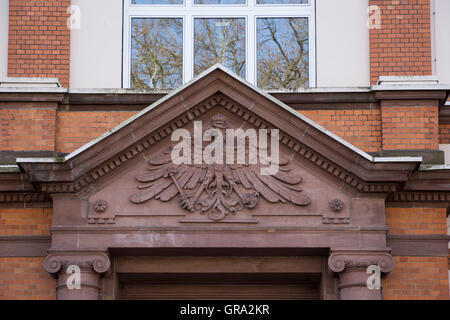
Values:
[(282, 186), (164, 180)]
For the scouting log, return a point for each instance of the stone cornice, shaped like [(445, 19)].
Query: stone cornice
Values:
[(24, 246), (418, 245)]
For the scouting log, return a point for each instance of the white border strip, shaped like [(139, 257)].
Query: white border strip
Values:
[(5, 168), (432, 167)]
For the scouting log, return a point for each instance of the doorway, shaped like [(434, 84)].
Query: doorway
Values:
[(220, 286)]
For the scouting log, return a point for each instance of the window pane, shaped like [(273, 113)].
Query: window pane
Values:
[(156, 53), (282, 1), (219, 1), (282, 53), (219, 40), (157, 1)]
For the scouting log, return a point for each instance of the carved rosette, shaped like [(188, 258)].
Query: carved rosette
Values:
[(337, 205), (98, 262), (341, 261), (337, 214), (100, 205), (100, 213)]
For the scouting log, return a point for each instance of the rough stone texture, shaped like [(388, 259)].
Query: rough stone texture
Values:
[(25, 279)]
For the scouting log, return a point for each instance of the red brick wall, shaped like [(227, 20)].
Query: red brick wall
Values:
[(27, 129), (415, 278), (416, 220), (444, 133), (410, 128), (359, 127), (21, 221), (402, 46), (25, 279), (38, 39), (402, 128), (74, 129)]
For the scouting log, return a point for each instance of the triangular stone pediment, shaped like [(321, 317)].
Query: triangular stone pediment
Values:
[(312, 150), (153, 190)]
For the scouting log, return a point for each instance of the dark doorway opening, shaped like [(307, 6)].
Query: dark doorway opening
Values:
[(216, 286)]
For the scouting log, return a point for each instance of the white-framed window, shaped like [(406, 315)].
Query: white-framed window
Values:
[(271, 43)]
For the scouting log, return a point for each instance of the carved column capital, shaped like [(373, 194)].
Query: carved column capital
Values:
[(97, 261), (351, 259), (351, 266), (92, 264)]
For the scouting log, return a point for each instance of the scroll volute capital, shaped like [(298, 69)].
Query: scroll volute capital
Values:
[(98, 262), (340, 261)]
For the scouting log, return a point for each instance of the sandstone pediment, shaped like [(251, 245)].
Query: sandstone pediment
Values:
[(152, 190), (128, 173)]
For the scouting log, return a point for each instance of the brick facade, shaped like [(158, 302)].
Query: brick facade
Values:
[(402, 46), (388, 128), (410, 127), (25, 221), (416, 220), (38, 39), (417, 278), (27, 129), (25, 279), (359, 127), (444, 133), (74, 129)]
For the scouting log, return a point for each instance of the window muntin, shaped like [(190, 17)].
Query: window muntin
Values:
[(190, 11)]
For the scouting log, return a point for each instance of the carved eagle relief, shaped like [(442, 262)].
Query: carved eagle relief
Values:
[(217, 189)]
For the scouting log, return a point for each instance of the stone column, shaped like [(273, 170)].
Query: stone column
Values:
[(352, 268), (64, 264)]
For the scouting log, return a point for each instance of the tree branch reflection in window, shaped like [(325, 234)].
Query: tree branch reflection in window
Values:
[(219, 40), (282, 53), (156, 53)]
